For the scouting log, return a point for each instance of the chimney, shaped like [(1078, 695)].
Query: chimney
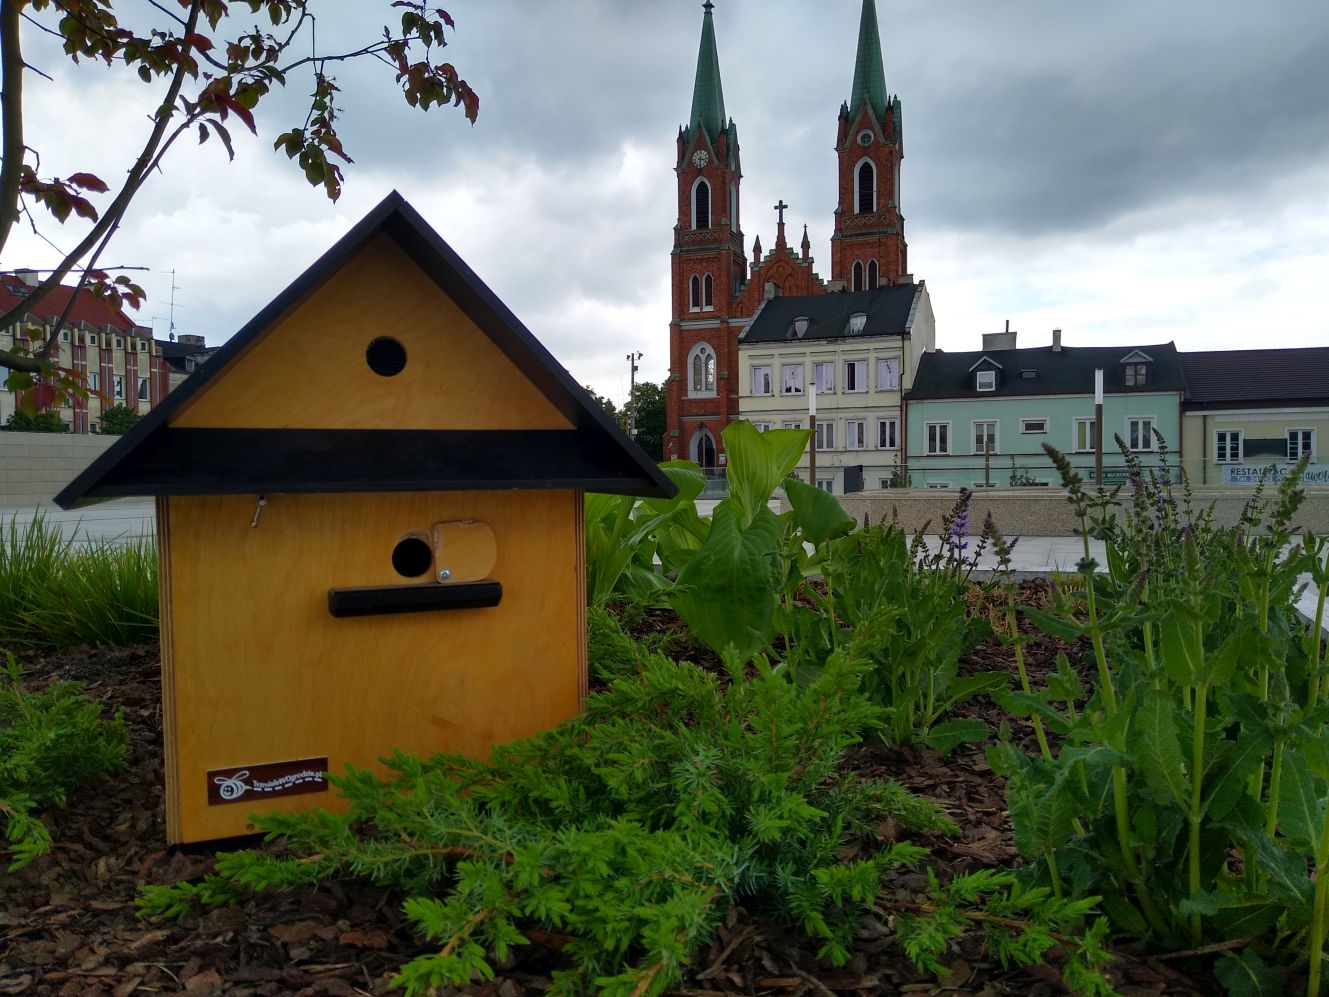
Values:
[(1056, 340), (999, 340), (28, 277)]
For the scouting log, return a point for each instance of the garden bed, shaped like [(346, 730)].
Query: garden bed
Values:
[(68, 924)]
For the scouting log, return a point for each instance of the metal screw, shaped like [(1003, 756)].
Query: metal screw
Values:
[(444, 574)]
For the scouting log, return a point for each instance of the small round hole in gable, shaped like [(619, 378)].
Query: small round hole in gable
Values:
[(385, 356), (412, 557)]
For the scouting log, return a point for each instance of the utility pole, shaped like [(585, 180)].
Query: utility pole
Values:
[(1098, 428), (812, 441), (632, 359)]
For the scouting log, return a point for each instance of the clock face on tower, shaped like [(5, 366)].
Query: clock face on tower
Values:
[(865, 137), (700, 159)]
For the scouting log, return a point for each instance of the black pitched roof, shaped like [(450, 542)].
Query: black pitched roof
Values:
[(1237, 378), (887, 310), (155, 459), (1069, 370)]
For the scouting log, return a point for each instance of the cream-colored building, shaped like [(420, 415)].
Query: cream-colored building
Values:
[(1246, 410), (860, 350), (120, 362)]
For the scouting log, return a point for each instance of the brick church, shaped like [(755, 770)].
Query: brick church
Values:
[(717, 289)]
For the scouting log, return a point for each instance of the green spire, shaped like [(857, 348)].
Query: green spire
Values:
[(707, 94), (869, 75)]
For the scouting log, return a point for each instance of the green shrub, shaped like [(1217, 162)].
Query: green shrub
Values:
[(51, 743), (38, 422), (59, 592), (118, 420)]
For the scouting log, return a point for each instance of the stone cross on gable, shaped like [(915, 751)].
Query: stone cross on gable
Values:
[(779, 229), (780, 207)]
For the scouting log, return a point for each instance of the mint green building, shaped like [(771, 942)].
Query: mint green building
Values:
[(981, 419)]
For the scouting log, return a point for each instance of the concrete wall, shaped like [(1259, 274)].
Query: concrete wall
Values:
[(34, 466), (1045, 512)]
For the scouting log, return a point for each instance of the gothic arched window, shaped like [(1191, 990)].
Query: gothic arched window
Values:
[(867, 188), (701, 370), (694, 293), (701, 204), (707, 292), (872, 275), (858, 276)]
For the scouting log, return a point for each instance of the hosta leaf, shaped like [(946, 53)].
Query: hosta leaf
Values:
[(817, 513), (726, 591), (945, 737), (1300, 804), (1159, 753), (758, 462), (1247, 975)]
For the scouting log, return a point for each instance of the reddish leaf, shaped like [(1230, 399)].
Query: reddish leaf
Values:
[(41, 397), (88, 181)]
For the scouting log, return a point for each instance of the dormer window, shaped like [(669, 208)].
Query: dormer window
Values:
[(856, 323), (1137, 374), (800, 326), (985, 380)]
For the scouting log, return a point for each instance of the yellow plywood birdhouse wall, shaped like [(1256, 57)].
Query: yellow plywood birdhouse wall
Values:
[(369, 516)]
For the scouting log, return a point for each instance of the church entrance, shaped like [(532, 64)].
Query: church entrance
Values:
[(703, 449)]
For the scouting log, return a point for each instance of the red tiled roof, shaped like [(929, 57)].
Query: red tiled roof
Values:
[(87, 308)]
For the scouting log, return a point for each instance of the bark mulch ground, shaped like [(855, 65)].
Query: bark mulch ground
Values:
[(68, 925)]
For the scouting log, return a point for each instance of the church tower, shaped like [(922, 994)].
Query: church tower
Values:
[(709, 267), (868, 248)]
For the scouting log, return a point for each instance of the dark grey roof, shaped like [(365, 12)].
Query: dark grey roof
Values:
[(887, 310), (1236, 378), (1069, 370)]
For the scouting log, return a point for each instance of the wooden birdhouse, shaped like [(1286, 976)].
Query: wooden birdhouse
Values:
[(369, 522)]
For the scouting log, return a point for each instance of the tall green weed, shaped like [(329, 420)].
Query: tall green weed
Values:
[(1190, 790), (58, 591)]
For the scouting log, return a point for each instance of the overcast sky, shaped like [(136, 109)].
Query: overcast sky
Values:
[(1131, 171)]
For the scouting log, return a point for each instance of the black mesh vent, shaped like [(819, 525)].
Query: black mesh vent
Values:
[(386, 357)]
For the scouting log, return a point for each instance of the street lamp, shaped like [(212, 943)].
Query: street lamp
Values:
[(632, 359)]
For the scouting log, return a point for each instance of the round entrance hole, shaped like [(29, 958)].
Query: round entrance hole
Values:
[(412, 557), (385, 356)]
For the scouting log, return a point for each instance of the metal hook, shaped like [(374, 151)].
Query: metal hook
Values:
[(258, 510)]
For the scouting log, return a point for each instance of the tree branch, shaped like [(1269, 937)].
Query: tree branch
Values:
[(109, 220), (11, 115)]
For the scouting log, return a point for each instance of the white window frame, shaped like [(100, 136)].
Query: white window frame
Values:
[(707, 292), (858, 204), (1091, 436), (873, 276), (1228, 457), (787, 387), (1147, 437), (861, 443), (891, 365), (762, 427), (996, 430), (985, 380), (705, 390), (857, 278), (892, 435), (929, 444), (92, 339), (1026, 423), (94, 380), (118, 390), (757, 372), (694, 293), (1301, 449), (143, 389), (825, 434), (119, 343), (859, 377), (710, 202), (792, 424), (827, 485), (823, 376)]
